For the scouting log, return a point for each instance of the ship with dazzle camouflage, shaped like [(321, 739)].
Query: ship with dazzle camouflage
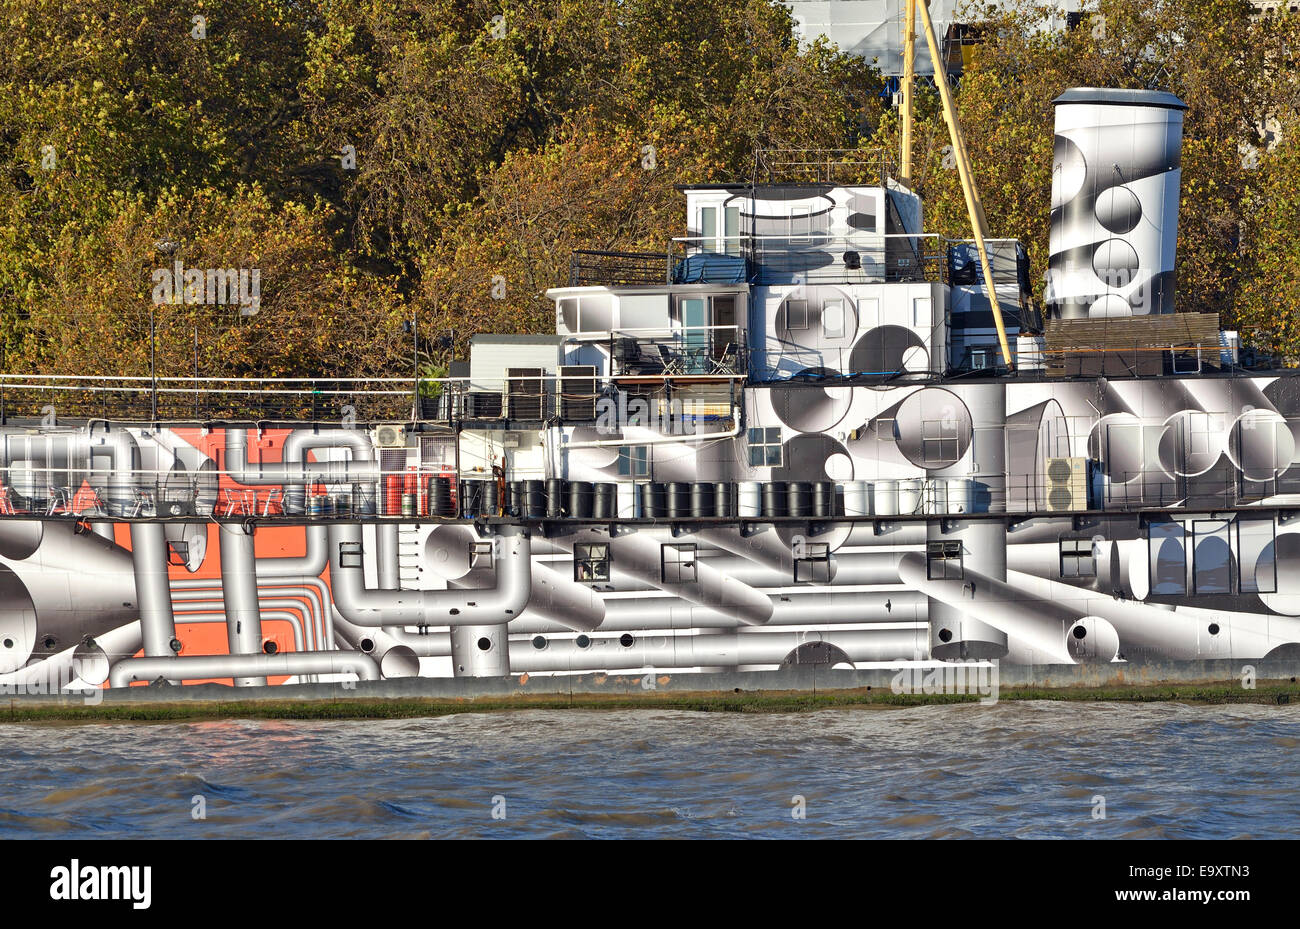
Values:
[(807, 433)]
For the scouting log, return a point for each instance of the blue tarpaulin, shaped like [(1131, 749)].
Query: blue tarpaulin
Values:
[(710, 268)]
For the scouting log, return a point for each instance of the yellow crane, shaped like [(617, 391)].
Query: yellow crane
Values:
[(979, 223)]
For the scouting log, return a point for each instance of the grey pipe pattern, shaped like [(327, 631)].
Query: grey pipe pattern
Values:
[(199, 667)]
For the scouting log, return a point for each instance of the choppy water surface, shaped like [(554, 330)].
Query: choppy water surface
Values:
[(1017, 769)]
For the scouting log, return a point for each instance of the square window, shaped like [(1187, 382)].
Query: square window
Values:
[(633, 461), (1077, 558), (677, 563), (939, 443), (765, 447), (178, 552), (812, 563), (480, 555), (591, 562), (349, 554), (944, 561), (796, 314)]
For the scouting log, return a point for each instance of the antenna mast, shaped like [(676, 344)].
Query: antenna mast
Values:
[(979, 224)]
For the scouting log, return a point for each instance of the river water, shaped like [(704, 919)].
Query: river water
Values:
[(1016, 769)]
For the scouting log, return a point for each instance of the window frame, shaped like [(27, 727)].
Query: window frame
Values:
[(949, 434), (945, 551), (766, 444), (590, 567), (678, 564), (476, 552), (814, 554), (1073, 550), (351, 555), (630, 465), (1254, 587)]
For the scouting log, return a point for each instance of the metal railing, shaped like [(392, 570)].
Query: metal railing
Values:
[(854, 167), (620, 269), (125, 399), (865, 258)]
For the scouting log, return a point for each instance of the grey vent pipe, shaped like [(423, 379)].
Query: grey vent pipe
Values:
[(57, 451), (239, 591), (152, 588), (465, 607), (294, 472), (198, 667)]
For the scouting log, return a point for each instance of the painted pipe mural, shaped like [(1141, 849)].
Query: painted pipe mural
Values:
[(913, 523)]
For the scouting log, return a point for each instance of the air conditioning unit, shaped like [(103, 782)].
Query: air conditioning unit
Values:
[(524, 393), (578, 392), (1067, 484), (390, 436)]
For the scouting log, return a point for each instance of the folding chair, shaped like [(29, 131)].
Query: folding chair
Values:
[(59, 497), (143, 500), (88, 498), (726, 362), (237, 502), (671, 362), (274, 502)]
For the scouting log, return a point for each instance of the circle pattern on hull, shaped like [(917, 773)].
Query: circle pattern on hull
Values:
[(17, 622), (1119, 210), (805, 457), (883, 350), (1115, 262), (1070, 170), (934, 428), (811, 409), (1261, 445)]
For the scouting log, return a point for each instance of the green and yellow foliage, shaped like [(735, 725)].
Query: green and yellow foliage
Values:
[(493, 137), (490, 139)]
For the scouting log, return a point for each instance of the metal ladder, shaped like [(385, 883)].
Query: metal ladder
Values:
[(408, 557)]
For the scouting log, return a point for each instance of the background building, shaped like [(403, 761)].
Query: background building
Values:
[(874, 28)]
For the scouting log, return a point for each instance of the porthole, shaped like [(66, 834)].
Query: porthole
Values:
[(1214, 628), (1080, 632), (367, 645), (270, 647), (484, 644), (626, 640), (539, 642), (9, 643), (583, 641), (945, 635)]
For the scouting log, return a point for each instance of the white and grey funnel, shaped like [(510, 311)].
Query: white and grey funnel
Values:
[(1116, 170)]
